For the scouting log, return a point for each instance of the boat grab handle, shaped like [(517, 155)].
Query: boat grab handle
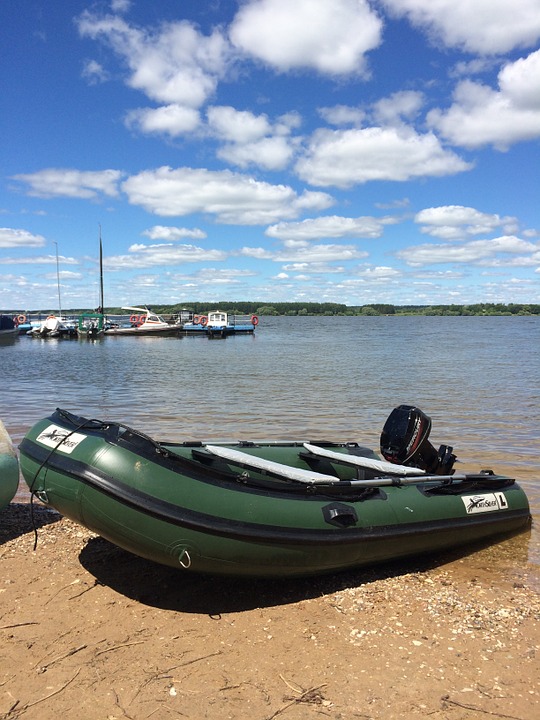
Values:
[(184, 559)]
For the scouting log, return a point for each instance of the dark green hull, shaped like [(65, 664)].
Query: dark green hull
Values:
[(180, 505), (9, 479), (9, 469)]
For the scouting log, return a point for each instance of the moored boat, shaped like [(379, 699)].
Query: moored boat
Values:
[(54, 326), (24, 324), (8, 327), (9, 468), (145, 322), (91, 325), (219, 324), (282, 508)]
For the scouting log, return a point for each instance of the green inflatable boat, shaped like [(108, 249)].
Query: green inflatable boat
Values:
[(267, 508), (9, 468)]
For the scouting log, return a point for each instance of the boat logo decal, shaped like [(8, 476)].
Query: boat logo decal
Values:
[(486, 502), (59, 438)]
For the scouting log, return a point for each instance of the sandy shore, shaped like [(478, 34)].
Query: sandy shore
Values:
[(90, 632)]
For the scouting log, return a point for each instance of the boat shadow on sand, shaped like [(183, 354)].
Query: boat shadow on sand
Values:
[(169, 588), (19, 519)]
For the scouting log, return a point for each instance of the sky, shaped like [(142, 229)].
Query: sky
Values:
[(350, 151)]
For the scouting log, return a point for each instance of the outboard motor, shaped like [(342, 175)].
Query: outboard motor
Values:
[(404, 441)]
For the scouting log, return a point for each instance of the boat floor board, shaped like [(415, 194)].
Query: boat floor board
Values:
[(378, 465), (269, 466)]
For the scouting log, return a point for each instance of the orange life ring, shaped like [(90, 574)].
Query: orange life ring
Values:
[(196, 319), (21, 319), (203, 320), (141, 319), (254, 320), (134, 319)]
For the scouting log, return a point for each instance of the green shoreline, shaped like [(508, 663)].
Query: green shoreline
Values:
[(326, 309)]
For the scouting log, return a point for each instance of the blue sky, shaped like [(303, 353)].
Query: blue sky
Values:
[(351, 151)]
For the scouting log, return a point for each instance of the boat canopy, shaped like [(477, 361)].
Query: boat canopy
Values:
[(217, 319), (149, 316)]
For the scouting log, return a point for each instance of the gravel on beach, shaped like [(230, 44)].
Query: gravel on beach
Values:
[(89, 631)]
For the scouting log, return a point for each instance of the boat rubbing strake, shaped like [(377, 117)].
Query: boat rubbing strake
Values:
[(267, 508)]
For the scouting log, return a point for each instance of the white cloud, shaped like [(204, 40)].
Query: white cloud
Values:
[(162, 232), (477, 26), (120, 5), (17, 238), (520, 81), (94, 73), (330, 226), (272, 153), (476, 252), (145, 256), (379, 273), (170, 120), (330, 36), (387, 112), (252, 139), (480, 115), (59, 182), (218, 276), (393, 204), (346, 157), (308, 253), (231, 197), (341, 115), (258, 253), (173, 65), (239, 126), (466, 68), (39, 260), (313, 268), (64, 275), (450, 222), (394, 109)]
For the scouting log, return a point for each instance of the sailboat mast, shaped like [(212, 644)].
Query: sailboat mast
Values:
[(101, 274), (58, 281)]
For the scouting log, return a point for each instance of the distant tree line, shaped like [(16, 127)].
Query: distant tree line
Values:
[(295, 309), (476, 309), (292, 309)]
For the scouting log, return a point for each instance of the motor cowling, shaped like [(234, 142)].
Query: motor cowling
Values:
[(405, 441)]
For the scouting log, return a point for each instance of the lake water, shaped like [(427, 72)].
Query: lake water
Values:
[(333, 378)]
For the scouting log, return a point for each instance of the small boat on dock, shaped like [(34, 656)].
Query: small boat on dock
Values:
[(91, 325), (219, 324), (54, 326), (269, 508), (8, 327), (25, 324), (145, 322), (9, 468)]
